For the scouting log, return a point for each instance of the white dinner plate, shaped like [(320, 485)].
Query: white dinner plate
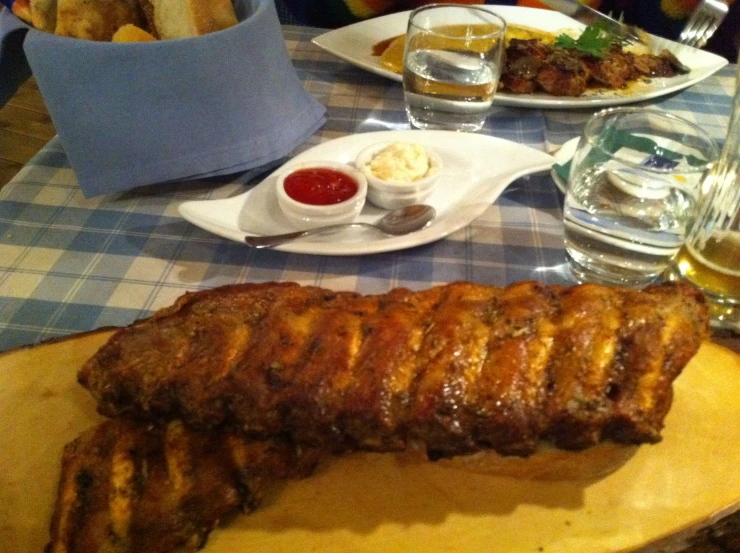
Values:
[(354, 44), (476, 169), (563, 156)]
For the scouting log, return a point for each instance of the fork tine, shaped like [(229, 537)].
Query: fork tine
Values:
[(703, 23), (687, 34), (707, 34), (694, 29), (700, 31)]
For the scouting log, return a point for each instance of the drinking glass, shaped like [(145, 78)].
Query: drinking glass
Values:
[(452, 65), (711, 256), (633, 186)]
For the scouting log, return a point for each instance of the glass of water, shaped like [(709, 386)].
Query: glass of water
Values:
[(634, 183), (452, 65)]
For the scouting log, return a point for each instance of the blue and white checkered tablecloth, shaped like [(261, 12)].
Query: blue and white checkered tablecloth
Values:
[(70, 264)]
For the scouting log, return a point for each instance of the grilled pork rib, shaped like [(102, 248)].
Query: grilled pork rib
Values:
[(532, 66), (129, 487), (456, 368)]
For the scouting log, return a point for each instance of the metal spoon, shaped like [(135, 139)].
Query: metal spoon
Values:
[(394, 223)]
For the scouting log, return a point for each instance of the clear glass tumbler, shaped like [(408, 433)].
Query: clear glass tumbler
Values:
[(452, 64), (711, 256), (632, 191)]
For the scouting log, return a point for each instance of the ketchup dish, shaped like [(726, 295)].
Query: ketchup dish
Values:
[(317, 193)]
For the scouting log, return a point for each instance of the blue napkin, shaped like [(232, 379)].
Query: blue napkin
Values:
[(14, 68), (144, 113)]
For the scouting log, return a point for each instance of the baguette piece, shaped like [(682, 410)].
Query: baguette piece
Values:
[(97, 19), (189, 18), (44, 15)]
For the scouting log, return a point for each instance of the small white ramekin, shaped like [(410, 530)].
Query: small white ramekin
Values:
[(304, 216), (390, 194)]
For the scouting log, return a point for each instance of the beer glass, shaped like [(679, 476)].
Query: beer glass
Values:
[(710, 257)]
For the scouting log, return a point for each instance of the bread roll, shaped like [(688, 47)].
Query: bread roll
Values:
[(44, 14), (148, 11), (223, 13), (96, 19), (189, 18), (22, 9)]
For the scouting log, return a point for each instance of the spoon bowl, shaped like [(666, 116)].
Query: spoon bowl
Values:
[(394, 223)]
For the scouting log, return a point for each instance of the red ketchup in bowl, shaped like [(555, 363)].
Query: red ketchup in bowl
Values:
[(320, 186)]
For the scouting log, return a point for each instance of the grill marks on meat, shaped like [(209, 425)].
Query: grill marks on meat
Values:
[(505, 397), (128, 487), (585, 364), (456, 368), (533, 66)]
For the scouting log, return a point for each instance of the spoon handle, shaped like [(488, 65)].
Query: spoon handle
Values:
[(278, 239)]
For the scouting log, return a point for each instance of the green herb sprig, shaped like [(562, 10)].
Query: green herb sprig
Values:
[(594, 41)]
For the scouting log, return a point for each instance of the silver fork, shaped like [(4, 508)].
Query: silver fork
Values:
[(703, 23)]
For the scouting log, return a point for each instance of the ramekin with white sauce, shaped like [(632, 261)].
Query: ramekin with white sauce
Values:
[(399, 173)]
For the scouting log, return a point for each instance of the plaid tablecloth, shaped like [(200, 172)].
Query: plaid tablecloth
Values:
[(68, 264)]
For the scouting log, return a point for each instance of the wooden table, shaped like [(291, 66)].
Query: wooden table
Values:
[(25, 126)]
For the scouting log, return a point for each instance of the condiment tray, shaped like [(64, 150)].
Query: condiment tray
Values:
[(477, 168)]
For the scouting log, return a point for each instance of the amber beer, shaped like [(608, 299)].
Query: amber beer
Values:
[(711, 257), (716, 268)]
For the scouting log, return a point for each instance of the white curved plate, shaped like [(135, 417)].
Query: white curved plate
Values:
[(476, 169), (354, 44), (562, 156)]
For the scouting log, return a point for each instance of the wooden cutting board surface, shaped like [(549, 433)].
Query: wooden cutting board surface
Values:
[(371, 503)]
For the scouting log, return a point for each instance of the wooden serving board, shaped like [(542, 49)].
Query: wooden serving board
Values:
[(372, 503)]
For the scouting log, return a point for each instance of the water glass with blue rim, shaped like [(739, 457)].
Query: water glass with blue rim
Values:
[(633, 187)]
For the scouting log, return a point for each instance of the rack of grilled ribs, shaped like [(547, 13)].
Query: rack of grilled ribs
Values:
[(532, 66), (455, 368), (128, 487)]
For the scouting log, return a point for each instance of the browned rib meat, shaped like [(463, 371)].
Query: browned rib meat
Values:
[(458, 367), (523, 60), (614, 70), (532, 66), (655, 66), (563, 73), (134, 488)]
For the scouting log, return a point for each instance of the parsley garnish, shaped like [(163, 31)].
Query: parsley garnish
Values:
[(594, 41)]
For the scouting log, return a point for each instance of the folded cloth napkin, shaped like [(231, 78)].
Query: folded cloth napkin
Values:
[(14, 68), (143, 113)]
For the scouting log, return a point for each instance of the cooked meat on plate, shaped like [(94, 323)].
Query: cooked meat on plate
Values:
[(140, 488), (456, 368), (233, 389), (532, 66)]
